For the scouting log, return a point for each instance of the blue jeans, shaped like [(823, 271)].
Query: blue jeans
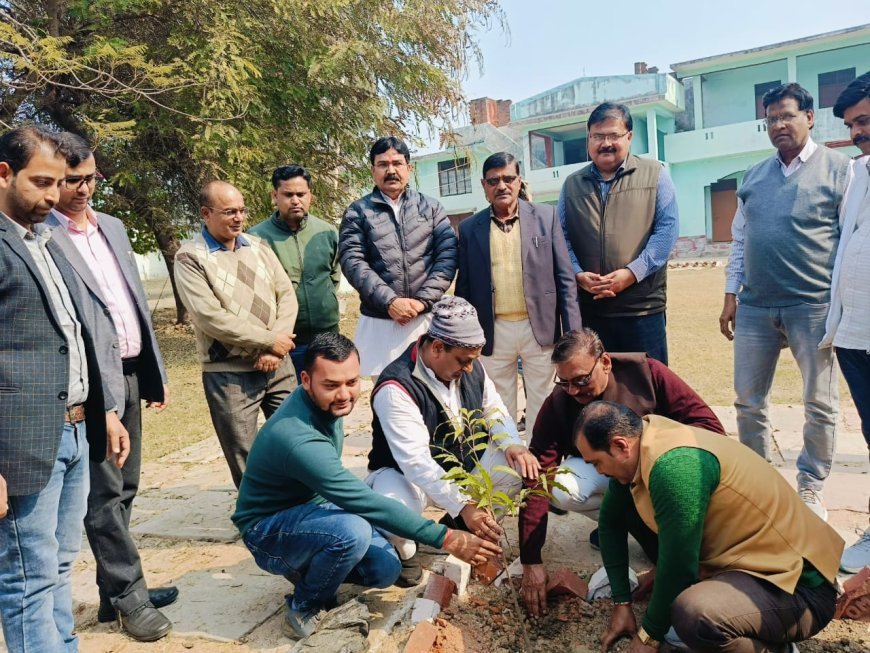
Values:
[(319, 547), (855, 365), (759, 335), (646, 333), (40, 538)]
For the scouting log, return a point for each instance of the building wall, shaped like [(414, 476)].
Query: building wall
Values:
[(809, 66), (729, 95)]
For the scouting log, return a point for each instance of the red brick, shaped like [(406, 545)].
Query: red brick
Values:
[(488, 571), (440, 589), (855, 602), (565, 581), (422, 639)]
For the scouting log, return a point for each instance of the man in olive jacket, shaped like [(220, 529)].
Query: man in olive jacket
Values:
[(398, 250), (307, 248)]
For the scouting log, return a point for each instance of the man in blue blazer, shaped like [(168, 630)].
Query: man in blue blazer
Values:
[(99, 250), (55, 409), (514, 268)]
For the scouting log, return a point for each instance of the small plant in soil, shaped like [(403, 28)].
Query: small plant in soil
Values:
[(469, 436)]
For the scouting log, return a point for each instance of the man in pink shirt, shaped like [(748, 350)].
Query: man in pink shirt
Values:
[(99, 251)]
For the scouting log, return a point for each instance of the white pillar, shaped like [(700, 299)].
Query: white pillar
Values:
[(652, 134), (698, 102), (791, 63)]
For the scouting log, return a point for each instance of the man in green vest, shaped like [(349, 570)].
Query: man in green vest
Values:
[(308, 250), (742, 564), (620, 219)]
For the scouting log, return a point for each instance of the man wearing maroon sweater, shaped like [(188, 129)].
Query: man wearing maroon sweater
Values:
[(586, 373)]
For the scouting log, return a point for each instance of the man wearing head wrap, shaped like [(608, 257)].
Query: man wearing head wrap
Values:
[(416, 403)]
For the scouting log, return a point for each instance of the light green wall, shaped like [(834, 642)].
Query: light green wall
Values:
[(809, 66), (691, 180), (729, 95)]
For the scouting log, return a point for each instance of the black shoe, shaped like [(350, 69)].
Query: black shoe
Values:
[(146, 623), (593, 540), (412, 572), (557, 511), (159, 597)]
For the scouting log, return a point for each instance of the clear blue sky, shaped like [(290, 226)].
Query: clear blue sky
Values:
[(555, 41)]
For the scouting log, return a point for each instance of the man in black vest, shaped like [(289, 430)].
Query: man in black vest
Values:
[(417, 401), (620, 219)]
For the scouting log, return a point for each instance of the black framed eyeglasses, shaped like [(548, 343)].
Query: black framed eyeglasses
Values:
[(580, 381), (495, 181), (74, 183)]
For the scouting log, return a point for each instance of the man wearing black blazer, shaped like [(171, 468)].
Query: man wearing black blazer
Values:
[(514, 268), (55, 410), (97, 247)]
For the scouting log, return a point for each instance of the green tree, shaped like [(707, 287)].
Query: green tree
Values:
[(176, 93)]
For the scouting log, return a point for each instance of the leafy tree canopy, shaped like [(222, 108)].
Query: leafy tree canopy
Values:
[(177, 93)]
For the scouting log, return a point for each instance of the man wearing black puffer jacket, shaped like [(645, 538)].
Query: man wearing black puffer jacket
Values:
[(398, 251)]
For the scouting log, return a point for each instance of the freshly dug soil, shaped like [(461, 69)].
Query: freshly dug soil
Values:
[(484, 622)]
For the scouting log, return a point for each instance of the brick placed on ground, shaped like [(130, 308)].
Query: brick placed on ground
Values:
[(854, 604), (425, 610), (459, 572), (422, 639), (440, 589), (565, 581)]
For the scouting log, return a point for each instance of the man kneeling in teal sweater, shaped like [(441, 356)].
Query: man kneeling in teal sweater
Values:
[(305, 516)]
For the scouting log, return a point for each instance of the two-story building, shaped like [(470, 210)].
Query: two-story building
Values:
[(704, 121)]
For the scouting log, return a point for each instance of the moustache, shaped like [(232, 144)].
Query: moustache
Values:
[(861, 139), (392, 178), (606, 150)]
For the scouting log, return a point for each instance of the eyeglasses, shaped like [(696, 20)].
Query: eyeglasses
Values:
[(229, 213), (495, 181), (603, 138), (386, 165), (580, 381), (786, 119), (74, 183)]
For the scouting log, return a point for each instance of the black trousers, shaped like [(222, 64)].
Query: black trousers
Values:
[(110, 503)]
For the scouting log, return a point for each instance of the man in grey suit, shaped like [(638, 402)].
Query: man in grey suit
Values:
[(514, 269), (55, 406), (97, 247)]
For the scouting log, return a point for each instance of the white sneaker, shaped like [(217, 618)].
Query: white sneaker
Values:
[(792, 648), (674, 640), (813, 501), (857, 556)]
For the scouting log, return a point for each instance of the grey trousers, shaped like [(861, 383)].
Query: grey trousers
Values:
[(234, 401), (734, 612)]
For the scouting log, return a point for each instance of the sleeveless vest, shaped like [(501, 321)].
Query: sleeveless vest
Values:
[(755, 523), (607, 236), (442, 438)]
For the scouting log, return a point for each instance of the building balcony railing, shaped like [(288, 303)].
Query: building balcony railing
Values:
[(743, 138)]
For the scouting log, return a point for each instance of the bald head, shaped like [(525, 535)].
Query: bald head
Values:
[(223, 210), (601, 421)]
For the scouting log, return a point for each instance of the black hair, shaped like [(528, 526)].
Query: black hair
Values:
[(426, 339), (499, 160), (607, 110), (601, 421), (389, 143), (573, 342), (289, 172), (857, 90), (794, 91), (18, 146), (77, 148), (329, 345)]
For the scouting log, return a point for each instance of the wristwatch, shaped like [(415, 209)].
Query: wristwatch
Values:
[(646, 639)]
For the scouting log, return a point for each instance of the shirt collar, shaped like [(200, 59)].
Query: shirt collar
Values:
[(39, 230), (805, 153), (215, 246), (599, 177), (513, 217), (69, 225)]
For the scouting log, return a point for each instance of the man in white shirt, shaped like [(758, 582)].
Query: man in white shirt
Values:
[(850, 296), (418, 401)]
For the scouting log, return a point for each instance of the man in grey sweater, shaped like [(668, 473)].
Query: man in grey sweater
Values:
[(785, 235)]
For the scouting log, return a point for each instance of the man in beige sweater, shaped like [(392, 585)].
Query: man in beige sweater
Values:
[(243, 308)]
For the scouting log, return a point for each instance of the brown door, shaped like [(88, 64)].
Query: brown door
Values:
[(723, 201)]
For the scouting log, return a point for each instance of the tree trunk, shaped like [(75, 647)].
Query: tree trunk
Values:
[(169, 245)]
